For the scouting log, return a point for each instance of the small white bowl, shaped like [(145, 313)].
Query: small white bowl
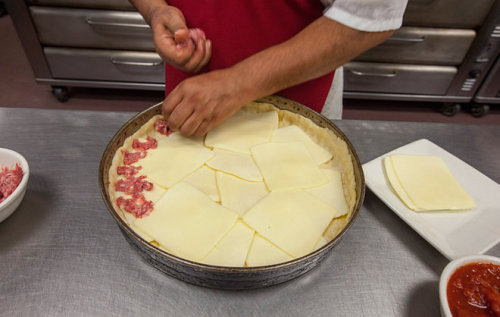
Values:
[(450, 269), (9, 158)]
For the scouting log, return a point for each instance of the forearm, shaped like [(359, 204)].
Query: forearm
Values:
[(147, 7), (317, 50)]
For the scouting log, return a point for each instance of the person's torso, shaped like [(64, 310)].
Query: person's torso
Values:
[(239, 29)]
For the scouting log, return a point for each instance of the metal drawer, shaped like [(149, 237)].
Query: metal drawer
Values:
[(92, 28), (447, 13), (97, 4), (127, 66), (397, 78), (422, 46)]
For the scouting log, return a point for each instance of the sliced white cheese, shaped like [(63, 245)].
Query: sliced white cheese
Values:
[(293, 133), (237, 194), (129, 217), (154, 194), (263, 252), (187, 222), (204, 179), (141, 233), (237, 164), (293, 220), (287, 166), (429, 183), (332, 193), (232, 250), (242, 131), (174, 158), (396, 186), (321, 242)]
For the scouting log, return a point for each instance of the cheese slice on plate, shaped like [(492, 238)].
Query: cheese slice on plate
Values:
[(293, 220), (242, 131), (232, 250), (263, 252), (237, 164), (428, 183), (294, 133), (173, 159), (204, 180), (237, 194), (333, 192), (187, 222), (396, 185), (287, 166)]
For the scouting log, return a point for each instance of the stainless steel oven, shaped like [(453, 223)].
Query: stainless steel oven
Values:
[(442, 53)]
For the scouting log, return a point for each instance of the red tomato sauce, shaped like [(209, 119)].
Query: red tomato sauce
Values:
[(474, 290)]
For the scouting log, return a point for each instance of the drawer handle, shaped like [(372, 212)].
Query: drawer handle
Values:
[(93, 22), (129, 63), (386, 75), (409, 40)]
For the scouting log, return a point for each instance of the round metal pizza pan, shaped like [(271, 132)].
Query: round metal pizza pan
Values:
[(217, 276)]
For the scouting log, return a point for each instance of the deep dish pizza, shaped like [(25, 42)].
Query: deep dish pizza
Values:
[(266, 186)]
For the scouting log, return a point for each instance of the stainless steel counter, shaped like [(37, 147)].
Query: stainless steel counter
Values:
[(61, 253)]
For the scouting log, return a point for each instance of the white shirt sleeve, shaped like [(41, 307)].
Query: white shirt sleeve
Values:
[(367, 15)]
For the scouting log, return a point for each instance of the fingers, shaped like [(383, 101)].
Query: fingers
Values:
[(178, 117), (201, 55), (176, 113), (206, 58), (169, 104), (203, 128), (182, 117), (191, 125), (182, 37)]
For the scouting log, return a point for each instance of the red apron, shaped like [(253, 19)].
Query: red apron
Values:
[(243, 28)]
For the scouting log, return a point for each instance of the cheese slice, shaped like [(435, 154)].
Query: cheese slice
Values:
[(287, 166), (242, 131), (187, 222), (141, 233), (237, 194), (293, 220), (204, 180), (321, 242), (429, 183), (396, 185), (154, 194), (293, 133), (237, 164), (232, 250), (333, 192), (263, 252), (174, 158)]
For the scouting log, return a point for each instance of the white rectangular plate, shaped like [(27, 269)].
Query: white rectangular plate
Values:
[(454, 234)]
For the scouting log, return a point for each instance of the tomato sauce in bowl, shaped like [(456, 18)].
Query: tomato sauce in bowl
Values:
[(474, 290)]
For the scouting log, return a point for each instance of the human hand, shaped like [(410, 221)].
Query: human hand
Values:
[(201, 102), (183, 48)]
